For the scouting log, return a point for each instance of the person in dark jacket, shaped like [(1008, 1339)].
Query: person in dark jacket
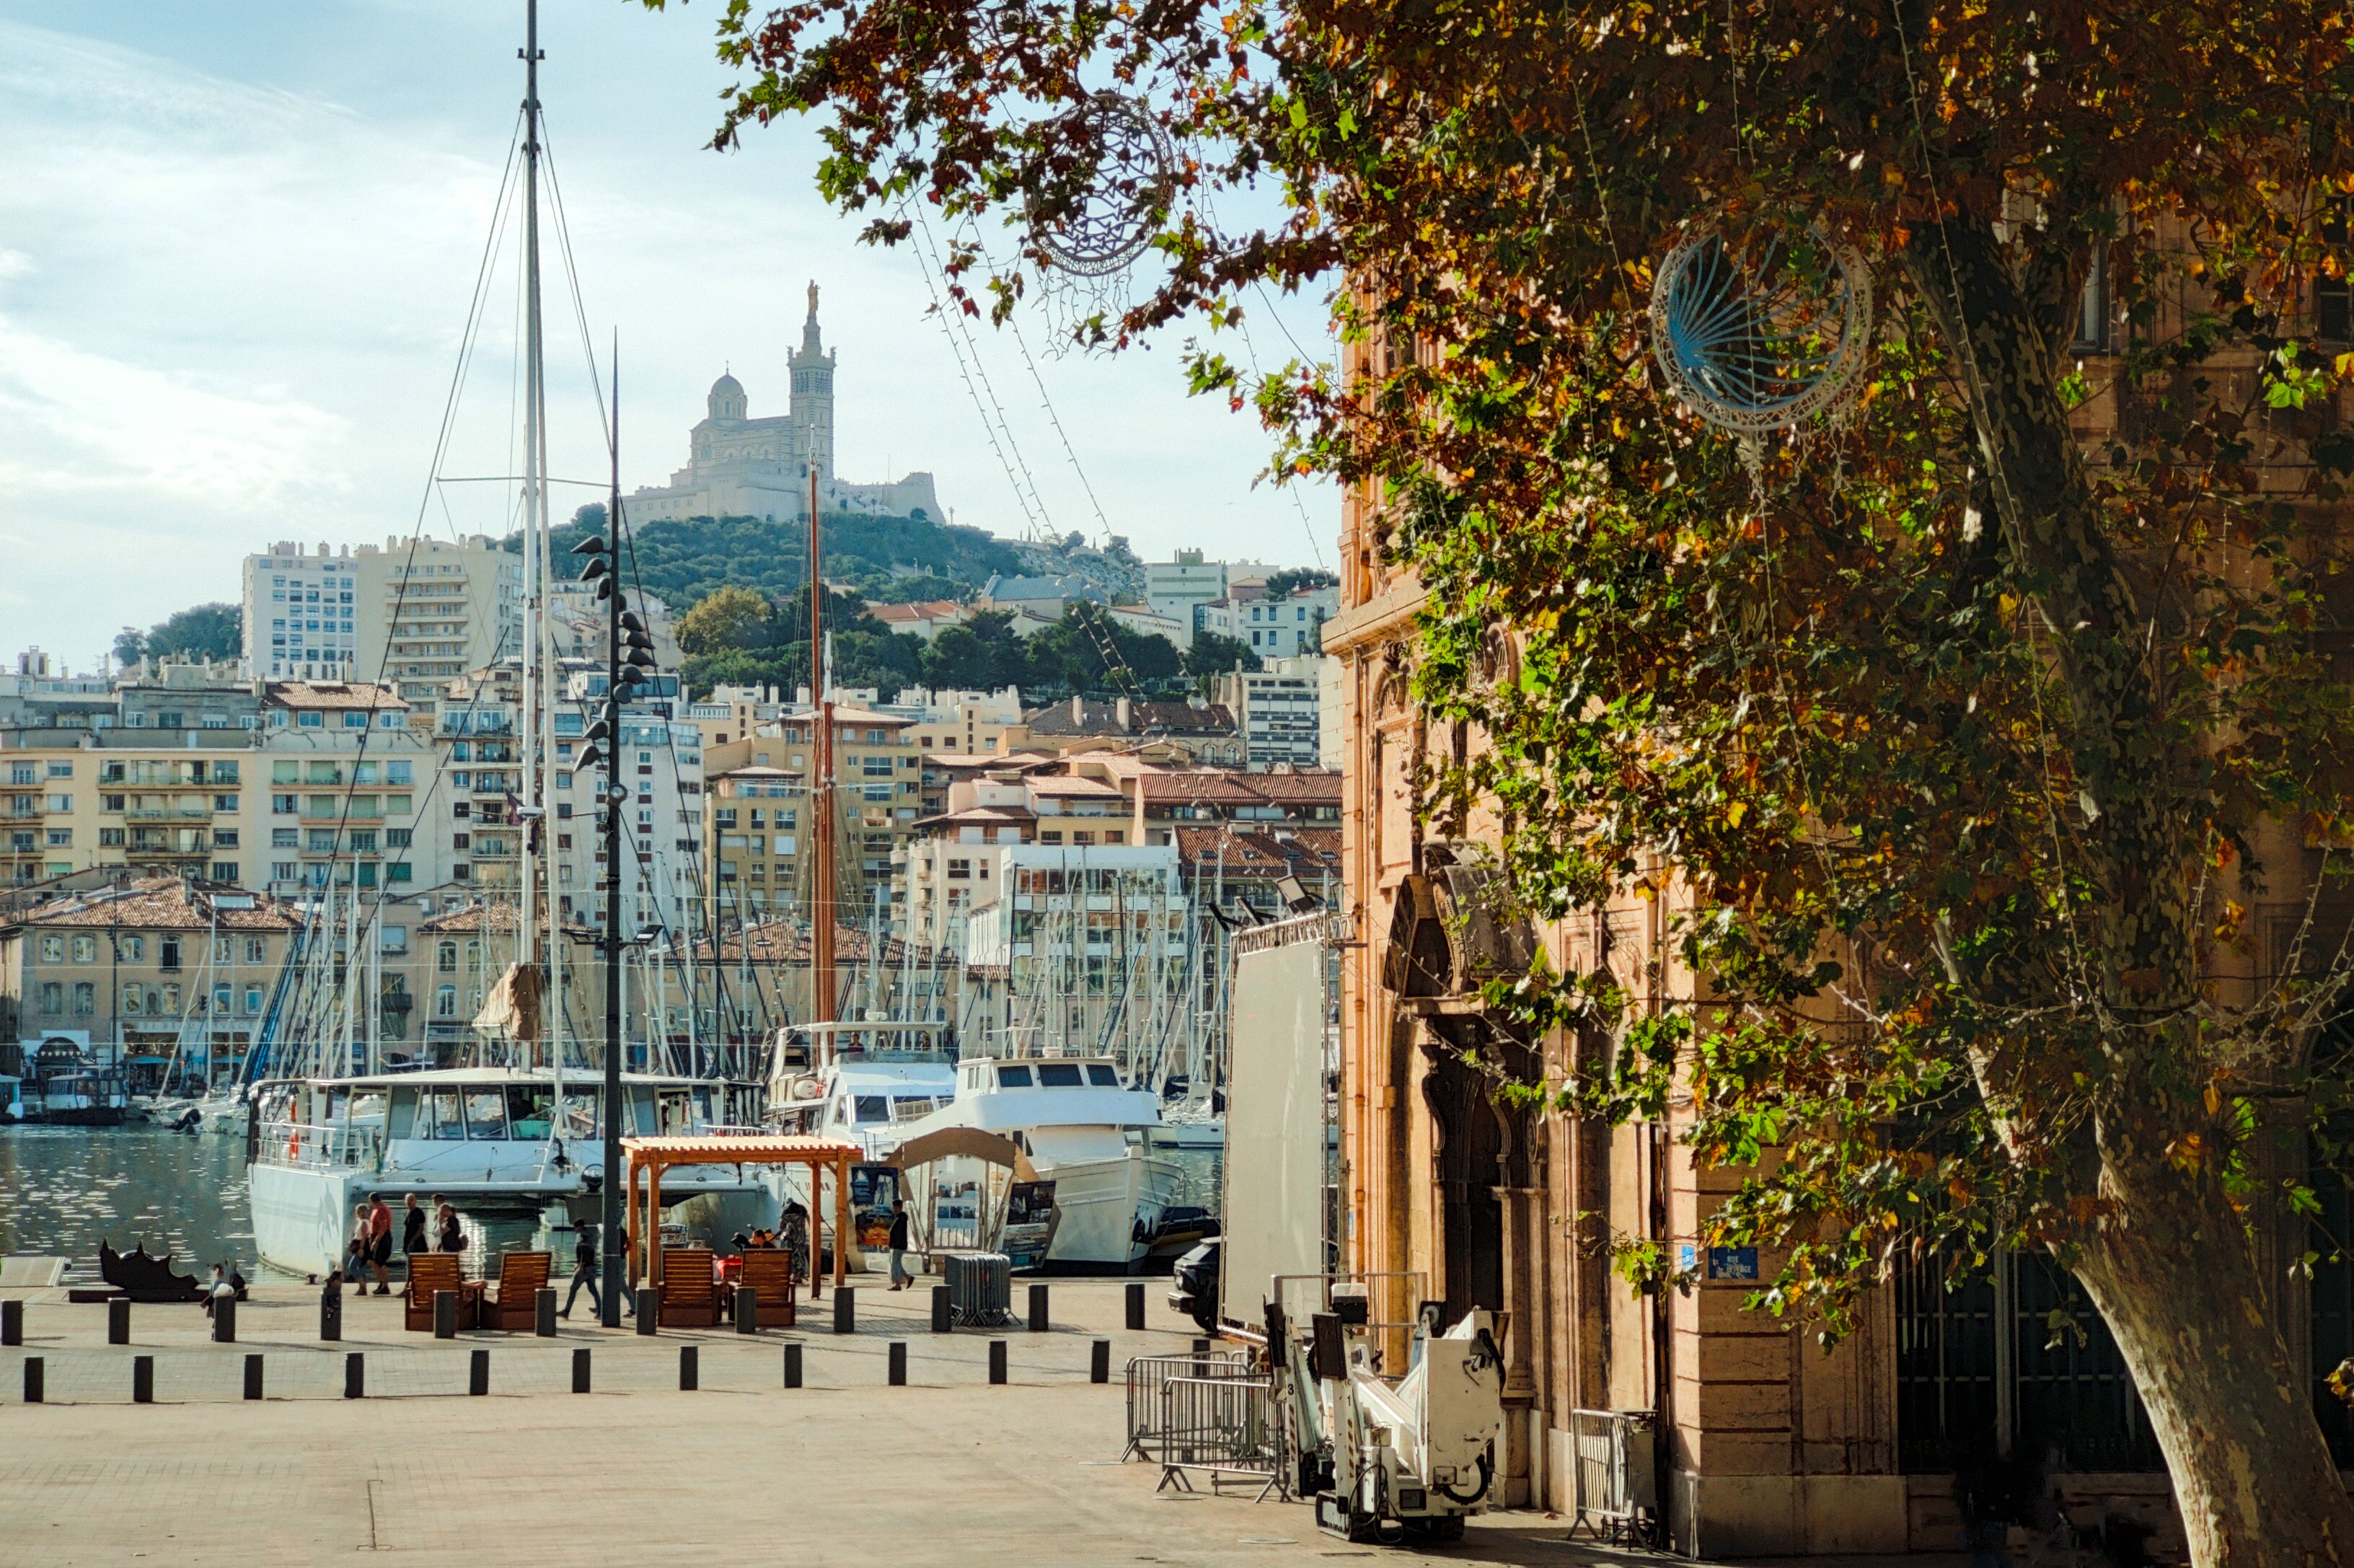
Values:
[(452, 1239), (413, 1239), (900, 1277), (584, 1274)]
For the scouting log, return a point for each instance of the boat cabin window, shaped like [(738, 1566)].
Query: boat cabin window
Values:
[(873, 1108), (444, 1118), (677, 1111), (1103, 1075), (1060, 1076), (1013, 1077), (578, 1118), (528, 1109), (486, 1114), (641, 1111), (402, 1121)]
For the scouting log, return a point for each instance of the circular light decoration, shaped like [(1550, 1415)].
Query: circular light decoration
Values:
[(1134, 162), (1761, 329)]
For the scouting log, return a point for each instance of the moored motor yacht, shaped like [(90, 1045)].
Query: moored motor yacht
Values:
[(494, 1141), (1086, 1130)]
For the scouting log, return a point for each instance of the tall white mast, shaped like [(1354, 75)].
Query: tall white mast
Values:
[(534, 498)]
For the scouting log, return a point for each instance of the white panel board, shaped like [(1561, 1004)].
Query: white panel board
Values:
[(1275, 1163)]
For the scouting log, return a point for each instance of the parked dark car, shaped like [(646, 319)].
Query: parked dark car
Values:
[(1194, 1286)]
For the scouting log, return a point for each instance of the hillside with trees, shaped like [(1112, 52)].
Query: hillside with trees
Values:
[(885, 559), (737, 636)]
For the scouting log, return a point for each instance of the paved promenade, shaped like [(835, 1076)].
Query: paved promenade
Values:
[(947, 1470)]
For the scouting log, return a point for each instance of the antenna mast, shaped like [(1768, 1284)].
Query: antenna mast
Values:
[(534, 490), (821, 877)]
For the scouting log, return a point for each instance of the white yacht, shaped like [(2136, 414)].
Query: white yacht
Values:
[(865, 1082), (1085, 1130), (491, 1140)]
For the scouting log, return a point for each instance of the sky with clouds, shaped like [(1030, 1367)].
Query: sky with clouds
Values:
[(237, 242)]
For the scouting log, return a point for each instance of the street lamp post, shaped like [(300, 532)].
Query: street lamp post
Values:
[(629, 658)]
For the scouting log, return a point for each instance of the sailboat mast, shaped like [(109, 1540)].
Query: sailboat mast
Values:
[(535, 501), (822, 999)]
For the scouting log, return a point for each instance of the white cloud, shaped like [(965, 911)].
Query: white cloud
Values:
[(229, 303)]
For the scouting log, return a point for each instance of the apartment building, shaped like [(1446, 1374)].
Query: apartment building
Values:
[(346, 777), (138, 973), (1176, 588), (1279, 709), (1273, 629), (757, 807), (1190, 731), (479, 816), (417, 614)]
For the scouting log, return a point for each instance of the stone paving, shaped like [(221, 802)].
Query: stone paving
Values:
[(948, 1470)]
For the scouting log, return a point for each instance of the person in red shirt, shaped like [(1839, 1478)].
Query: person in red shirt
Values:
[(380, 1242)]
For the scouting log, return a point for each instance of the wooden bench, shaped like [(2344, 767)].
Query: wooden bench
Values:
[(515, 1304), (770, 1272), (428, 1273), (690, 1295)]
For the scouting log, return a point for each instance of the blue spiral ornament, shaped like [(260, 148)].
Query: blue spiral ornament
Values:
[(1763, 329)]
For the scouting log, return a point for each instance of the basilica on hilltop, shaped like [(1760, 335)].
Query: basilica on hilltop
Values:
[(742, 467)]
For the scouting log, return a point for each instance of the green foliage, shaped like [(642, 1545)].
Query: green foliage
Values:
[(1292, 579), (1214, 653), (202, 631), (685, 561), (1090, 653), (1975, 754), (981, 654)]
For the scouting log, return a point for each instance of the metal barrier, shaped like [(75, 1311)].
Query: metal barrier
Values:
[(1223, 1425), (1616, 1486), (1147, 1373)]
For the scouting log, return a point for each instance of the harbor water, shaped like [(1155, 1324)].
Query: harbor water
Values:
[(63, 1190)]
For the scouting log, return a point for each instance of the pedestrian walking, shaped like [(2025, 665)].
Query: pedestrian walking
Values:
[(380, 1242), (900, 1277), (451, 1239), (584, 1275), (413, 1239)]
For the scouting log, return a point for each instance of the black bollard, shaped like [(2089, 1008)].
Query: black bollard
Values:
[(898, 1373), (580, 1370), (846, 1309), (689, 1369), (143, 1380), (997, 1361), (35, 1381), (1200, 1358), (1100, 1363), (543, 1321), (1038, 1309), (445, 1314), (941, 1322), (354, 1376), (1136, 1304), (649, 1311), (478, 1372), (748, 1309), (331, 1314), (254, 1377), (12, 1322), (793, 1365), (118, 1321), (224, 1319)]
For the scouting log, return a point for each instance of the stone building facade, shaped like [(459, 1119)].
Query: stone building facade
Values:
[(1765, 1444)]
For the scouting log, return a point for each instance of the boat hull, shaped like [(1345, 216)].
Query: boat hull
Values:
[(1108, 1211)]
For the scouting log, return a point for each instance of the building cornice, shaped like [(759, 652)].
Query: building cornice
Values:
[(1378, 618)]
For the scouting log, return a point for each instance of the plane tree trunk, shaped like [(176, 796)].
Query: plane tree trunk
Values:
[(2158, 1243)]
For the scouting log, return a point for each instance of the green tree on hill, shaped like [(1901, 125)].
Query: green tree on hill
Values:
[(202, 631)]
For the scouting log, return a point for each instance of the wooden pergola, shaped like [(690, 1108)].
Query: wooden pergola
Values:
[(655, 1155)]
